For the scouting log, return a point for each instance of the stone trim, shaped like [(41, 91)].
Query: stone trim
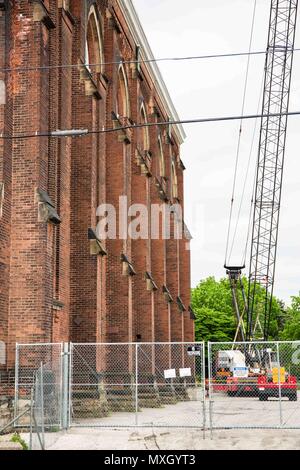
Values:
[(161, 184), (192, 313), (46, 208), (167, 294), (1, 198), (57, 304), (96, 247), (180, 304), (127, 267), (40, 13), (151, 286), (144, 160)]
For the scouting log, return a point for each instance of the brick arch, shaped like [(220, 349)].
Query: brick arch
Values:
[(123, 102), (94, 41)]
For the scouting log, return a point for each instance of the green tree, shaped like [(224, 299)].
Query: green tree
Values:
[(291, 329), (215, 320), (211, 302)]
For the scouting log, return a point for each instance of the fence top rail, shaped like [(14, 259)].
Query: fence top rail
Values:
[(139, 343), (38, 344), (252, 342)]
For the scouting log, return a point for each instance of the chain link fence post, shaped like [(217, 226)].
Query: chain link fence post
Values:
[(31, 417), (42, 405), (16, 382), (203, 375), (210, 409), (65, 386), (279, 384), (70, 407), (136, 384)]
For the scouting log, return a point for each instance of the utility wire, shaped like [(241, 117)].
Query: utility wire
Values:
[(140, 61), (83, 132), (240, 133)]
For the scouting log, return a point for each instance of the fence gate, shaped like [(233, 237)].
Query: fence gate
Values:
[(254, 385), (137, 384), (31, 358)]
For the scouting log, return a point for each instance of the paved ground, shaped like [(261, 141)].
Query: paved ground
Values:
[(249, 411), (166, 439), (226, 412)]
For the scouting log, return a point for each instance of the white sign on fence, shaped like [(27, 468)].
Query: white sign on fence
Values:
[(170, 373), (185, 372)]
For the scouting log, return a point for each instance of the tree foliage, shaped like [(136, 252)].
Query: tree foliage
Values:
[(291, 328), (215, 320)]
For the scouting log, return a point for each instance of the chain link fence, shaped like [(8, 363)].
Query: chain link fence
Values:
[(137, 384), (46, 406), (39, 367), (7, 387), (248, 385), (254, 385)]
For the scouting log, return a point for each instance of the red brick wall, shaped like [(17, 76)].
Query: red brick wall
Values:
[(41, 263), (5, 177), (30, 282)]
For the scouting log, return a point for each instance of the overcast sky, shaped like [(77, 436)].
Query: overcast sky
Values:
[(214, 87)]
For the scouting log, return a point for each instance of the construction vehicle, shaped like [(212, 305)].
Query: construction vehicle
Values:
[(240, 374), (264, 377)]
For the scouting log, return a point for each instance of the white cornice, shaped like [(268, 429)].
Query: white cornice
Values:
[(140, 39)]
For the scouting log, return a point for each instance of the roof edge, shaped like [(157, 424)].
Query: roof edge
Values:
[(140, 38)]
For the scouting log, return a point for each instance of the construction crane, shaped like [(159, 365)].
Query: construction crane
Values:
[(253, 319)]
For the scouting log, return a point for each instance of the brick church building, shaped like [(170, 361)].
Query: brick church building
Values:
[(58, 280)]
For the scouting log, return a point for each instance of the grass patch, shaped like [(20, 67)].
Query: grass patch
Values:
[(17, 438)]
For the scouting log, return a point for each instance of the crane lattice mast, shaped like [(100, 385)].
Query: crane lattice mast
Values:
[(269, 171), (277, 83)]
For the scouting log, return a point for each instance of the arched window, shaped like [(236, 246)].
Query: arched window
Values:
[(145, 130), (123, 106), (161, 157), (93, 42), (174, 181)]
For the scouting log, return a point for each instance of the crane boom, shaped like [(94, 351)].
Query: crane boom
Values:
[(269, 173)]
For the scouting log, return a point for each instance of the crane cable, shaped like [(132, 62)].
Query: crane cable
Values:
[(240, 133), (245, 183)]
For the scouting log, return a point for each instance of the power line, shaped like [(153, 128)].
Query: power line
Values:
[(82, 132), (140, 61)]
